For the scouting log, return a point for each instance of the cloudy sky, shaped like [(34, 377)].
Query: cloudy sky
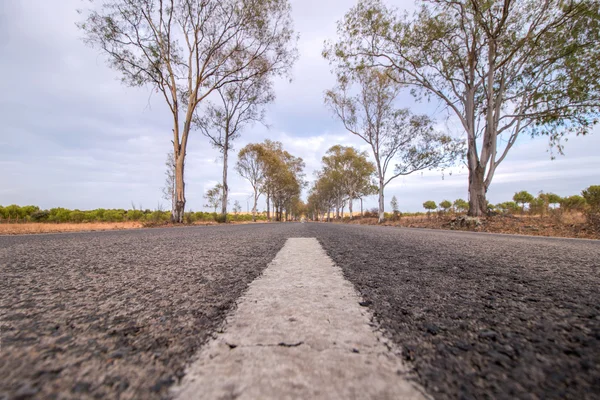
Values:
[(71, 135)]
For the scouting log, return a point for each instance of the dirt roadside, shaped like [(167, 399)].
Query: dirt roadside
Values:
[(566, 226)]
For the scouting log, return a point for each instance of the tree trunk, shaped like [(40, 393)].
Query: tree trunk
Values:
[(350, 208), (255, 204), (361, 208), (381, 202), (179, 210), (477, 191), (225, 187), (268, 207)]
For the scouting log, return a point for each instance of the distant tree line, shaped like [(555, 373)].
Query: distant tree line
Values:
[(524, 202), (15, 213)]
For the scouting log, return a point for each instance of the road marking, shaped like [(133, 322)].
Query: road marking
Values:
[(298, 333)]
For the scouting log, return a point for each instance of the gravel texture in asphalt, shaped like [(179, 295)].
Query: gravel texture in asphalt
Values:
[(481, 316), (119, 314)]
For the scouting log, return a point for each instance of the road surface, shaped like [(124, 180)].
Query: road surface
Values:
[(471, 315)]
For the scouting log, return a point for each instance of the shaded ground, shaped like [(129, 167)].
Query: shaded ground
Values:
[(567, 225), (119, 314), (481, 316)]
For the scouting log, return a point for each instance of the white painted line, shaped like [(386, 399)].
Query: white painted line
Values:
[(298, 333)]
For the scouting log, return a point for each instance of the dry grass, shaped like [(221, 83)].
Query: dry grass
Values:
[(30, 228)]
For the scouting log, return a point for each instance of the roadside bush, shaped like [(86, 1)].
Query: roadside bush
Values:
[(190, 217), (461, 205), (372, 213), (59, 215), (445, 205), (135, 215), (592, 197), (114, 215), (76, 216), (573, 203), (40, 216), (508, 207), (523, 197)]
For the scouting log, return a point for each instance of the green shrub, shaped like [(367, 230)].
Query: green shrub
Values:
[(76, 216), (523, 197), (40, 216), (508, 207), (592, 197), (445, 205), (573, 203), (59, 215), (190, 217), (429, 205), (113, 215), (135, 215)]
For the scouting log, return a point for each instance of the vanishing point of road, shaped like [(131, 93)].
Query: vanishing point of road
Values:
[(299, 311)]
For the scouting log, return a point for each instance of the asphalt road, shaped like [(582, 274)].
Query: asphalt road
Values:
[(120, 314)]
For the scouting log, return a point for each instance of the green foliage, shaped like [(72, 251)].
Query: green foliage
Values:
[(429, 205), (461, 205), (523, 197), (538, 206), (535, 60), (508, 207), (76, 216), (135, 215), (214, 197), (445, 205), (573, 203), (592, 197), (40, 216)]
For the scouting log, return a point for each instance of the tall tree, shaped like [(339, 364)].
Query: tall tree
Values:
[(394, 135), (322, 196), (351, 172), (241, 103), (186, 49), (250, 165), (504, 68)]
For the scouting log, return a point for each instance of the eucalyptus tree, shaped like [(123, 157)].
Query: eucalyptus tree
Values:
[(213, 197), (283, 176), (503, 68), (322, 196), (187, 49), (250, 165), (395, 136), (351, 171), (240, 104)]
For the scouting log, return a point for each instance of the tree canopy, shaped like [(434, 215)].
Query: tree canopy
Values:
[(503, 68)]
